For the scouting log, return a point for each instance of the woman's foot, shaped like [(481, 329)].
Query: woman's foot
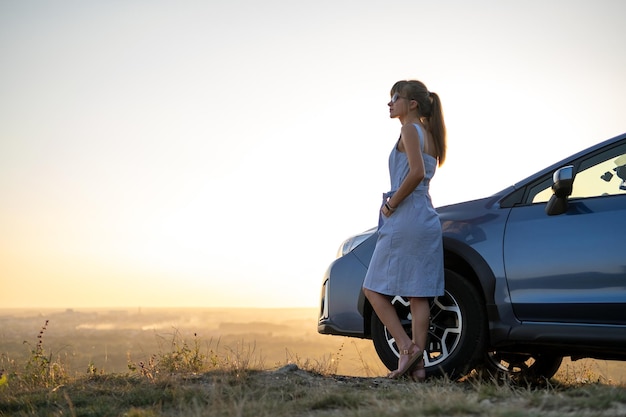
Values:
[(418, 373), (408, 358)]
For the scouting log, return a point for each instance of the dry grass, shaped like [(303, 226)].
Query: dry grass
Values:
[(292, 391), (192, 377)]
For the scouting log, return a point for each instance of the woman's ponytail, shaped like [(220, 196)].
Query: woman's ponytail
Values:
[(437, 127)]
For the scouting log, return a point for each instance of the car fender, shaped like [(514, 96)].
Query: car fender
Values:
[(467, 262)]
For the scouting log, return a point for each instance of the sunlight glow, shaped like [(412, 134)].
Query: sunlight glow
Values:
[(216, 154)]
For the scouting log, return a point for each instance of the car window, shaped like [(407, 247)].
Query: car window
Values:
[(600, 175), (544, 195), (605, 178)]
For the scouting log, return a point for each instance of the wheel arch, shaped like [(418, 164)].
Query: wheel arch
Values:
[(467, 262)]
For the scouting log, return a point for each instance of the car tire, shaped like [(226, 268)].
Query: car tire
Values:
[(519, 368), (457, 333)]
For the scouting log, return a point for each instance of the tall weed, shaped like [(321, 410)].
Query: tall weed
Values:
[(41, 369)]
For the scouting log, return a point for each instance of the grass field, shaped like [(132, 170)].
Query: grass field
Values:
[(250, 363)]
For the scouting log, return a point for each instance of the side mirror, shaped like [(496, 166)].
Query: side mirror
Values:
[(562, 183)]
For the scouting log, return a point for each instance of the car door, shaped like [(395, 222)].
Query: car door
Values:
[(572, 267)]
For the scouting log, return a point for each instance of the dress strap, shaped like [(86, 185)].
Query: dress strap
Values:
[(420, 133)]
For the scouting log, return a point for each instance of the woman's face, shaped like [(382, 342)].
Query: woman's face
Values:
[(398, 105)]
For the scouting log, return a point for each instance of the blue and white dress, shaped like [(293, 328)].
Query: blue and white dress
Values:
[(408, 258)]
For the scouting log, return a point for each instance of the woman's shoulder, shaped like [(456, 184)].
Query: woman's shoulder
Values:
[(415, 130), (411, 128), (414, 127), (421, 130)]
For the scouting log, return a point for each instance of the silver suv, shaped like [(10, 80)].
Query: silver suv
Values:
[(534, 273)]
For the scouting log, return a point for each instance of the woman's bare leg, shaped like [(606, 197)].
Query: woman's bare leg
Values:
[(420, 321), (389, 317), (387, 314)]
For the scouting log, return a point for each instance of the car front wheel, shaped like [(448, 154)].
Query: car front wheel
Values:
[(456, 336)]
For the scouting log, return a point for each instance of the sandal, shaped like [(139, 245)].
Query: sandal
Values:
[(413, 354)]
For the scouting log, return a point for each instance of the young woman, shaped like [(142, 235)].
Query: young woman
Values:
[(408, 258)]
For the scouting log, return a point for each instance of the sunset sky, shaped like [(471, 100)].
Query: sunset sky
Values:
[(209, 153)]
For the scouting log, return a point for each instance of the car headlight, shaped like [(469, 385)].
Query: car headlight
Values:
[(352, 242)]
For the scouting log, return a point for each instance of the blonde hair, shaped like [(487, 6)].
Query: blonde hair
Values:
[(429, 109)]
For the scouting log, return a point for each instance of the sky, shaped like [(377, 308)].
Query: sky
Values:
[(215, 154)]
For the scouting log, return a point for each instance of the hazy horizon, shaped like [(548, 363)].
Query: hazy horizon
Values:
[(110, 339)]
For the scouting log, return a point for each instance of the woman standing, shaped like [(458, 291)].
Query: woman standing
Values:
[(408, 258)]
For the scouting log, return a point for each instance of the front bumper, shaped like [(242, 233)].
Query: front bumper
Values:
[(341, 290)]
